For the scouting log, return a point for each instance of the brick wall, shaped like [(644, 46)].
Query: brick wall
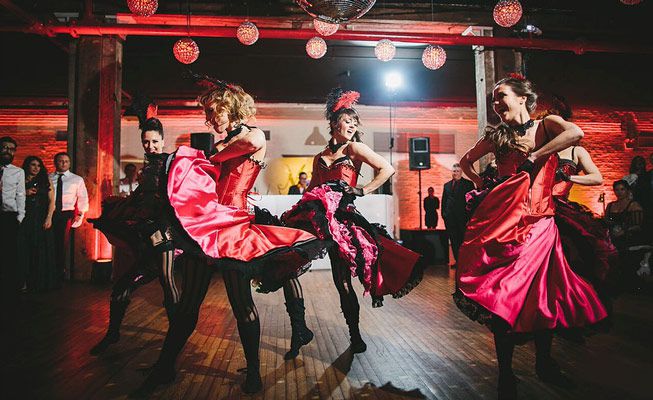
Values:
[(35, 132)]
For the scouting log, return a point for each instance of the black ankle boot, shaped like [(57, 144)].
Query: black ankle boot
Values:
[(301, 335), (507, 389), (250, 335), (357, 343), (253, 383), (549, 372), (117, 311), (161, 374)]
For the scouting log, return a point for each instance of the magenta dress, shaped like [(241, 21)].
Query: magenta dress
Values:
[(511, 263), (382, 265)]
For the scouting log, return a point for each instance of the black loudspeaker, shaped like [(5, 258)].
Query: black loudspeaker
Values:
[(419, 153), (202, 141)]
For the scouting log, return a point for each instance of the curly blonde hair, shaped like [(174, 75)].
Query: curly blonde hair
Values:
[(238, 104)]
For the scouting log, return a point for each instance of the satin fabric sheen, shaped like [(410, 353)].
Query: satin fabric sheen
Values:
[(200, 197), (387, 266), (511, 261)]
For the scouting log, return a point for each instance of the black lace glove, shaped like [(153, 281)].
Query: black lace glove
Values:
[(353, 190), (562, 175)]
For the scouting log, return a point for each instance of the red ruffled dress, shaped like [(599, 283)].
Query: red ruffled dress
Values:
[(382, 265), (511, 263), (212, 220), (585, 237)]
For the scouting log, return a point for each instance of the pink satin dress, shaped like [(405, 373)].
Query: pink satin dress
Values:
[(511, 262), (210, 203), (382, 265)]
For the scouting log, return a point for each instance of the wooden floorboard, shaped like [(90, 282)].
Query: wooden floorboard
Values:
[(419, 346)]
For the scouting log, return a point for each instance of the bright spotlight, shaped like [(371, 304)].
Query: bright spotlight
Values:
[(393, 81)]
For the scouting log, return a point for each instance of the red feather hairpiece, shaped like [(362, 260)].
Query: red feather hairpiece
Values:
[(517, 75), (347, 100)]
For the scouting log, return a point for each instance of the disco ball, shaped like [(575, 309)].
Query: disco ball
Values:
[(385, 50), (144, 8), (507, 13), (434, 57), (247, 33), (325, 28), (336, 11), (316, 47), (186, 51)]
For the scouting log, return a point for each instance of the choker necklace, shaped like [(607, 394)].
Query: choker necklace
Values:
[(233, 133), (335, 146), (522, 128)]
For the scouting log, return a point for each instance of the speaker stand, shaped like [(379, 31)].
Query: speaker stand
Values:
[(419, 195)]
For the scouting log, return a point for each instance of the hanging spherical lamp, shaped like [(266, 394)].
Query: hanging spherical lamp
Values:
[(144, 8), (186, 51), (247, 33), (630, 2), (385, 50), (336, 11), (434, 57), (325, 28), (316, 47), (507, 13)]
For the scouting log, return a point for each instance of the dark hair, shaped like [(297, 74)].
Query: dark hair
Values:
[(59, 154), (430, 189), (622, 183), (41, 178), (633, 165), (503, 137), (8, 139), (129, 165), (335, 117), (302, 173), (152, 124)]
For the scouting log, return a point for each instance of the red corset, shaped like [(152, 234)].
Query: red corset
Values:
[(541, 190), (341, 169), (237, 177)]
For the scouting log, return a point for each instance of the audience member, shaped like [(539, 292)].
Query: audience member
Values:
[(35, 239), (130, 182), (71, 202), (12, 212), (453, 207), (431, 206), (300, 187)]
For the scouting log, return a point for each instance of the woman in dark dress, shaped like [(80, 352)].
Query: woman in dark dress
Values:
[(35, 240)]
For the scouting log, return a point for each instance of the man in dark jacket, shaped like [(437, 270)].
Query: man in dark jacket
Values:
[(453, 207)]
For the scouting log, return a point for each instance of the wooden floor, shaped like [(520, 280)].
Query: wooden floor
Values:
[(419, 346)]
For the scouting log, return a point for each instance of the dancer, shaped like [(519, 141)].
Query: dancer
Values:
[(144, 249), (327, 209), (585, 239), (214, 226), (512, 274)]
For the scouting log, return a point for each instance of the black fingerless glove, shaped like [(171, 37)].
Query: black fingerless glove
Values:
[(561, 175), (354, 190)]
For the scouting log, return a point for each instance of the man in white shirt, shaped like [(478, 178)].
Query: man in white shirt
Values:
[(71, 202), (12, 212)]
